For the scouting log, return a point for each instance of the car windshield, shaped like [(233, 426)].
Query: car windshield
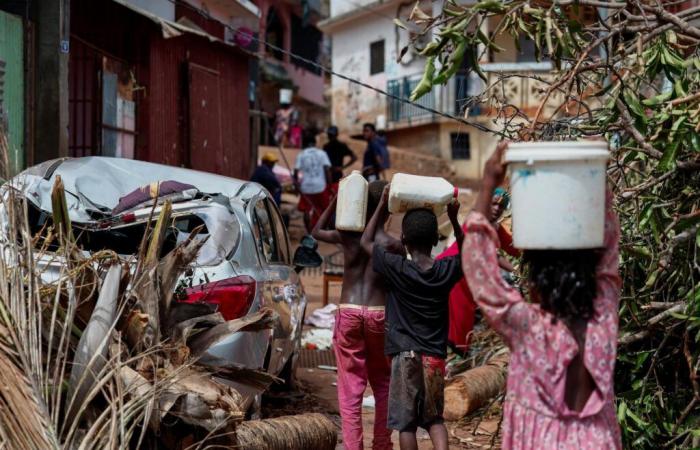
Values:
[(213, 222)]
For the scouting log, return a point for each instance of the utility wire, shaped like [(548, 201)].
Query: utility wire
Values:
[(331, 72)]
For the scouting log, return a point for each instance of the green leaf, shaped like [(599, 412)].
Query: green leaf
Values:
[(657, 100), (668, 160), (697, 237), (633, 103), (622, 411), (426, 83)]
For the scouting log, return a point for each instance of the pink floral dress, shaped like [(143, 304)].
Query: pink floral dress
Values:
[(535, 414)]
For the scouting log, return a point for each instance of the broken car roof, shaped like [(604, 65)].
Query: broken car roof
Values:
[(101, 181)]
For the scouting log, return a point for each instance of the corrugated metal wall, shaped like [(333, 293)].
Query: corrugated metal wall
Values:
[(168, 103), (12, 85)]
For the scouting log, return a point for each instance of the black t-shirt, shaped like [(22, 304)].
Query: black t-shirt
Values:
[(417, 312), (337, 151)]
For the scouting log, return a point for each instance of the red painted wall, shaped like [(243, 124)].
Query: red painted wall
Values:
[(168, 102), (163, 96)]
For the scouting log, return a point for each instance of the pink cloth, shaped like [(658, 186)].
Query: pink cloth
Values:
[(358, 340), (535, 415)]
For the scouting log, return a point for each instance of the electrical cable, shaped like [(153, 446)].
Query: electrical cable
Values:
[(331, 72)]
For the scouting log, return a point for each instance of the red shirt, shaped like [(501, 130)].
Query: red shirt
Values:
[(461, 303)]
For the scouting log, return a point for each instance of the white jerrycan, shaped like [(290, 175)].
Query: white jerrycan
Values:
[(413, 191), (351, 208)]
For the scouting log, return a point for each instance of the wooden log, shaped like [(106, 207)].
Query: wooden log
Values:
[(473, 389), (298, 432)]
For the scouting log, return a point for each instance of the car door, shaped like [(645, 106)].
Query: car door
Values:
[(281, 288)]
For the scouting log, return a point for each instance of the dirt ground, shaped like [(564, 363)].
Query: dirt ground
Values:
[(316, 388)]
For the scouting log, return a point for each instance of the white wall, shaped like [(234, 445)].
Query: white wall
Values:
[(353, 104), (339, 7)]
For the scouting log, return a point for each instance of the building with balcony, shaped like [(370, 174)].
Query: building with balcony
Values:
[(289, 27), (366, 44)]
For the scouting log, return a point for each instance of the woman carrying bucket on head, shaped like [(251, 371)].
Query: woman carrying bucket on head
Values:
[(563, 343)]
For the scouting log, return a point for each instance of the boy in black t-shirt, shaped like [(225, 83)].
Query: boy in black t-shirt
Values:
[(416, 320)]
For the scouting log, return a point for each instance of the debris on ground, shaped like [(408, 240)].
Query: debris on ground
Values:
[(323, 317), (302, 431), (317, 339)]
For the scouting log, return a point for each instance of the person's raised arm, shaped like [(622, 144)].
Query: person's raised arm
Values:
[(452, 213), (381, 215), (352, 155), (494, 174), (502, 306), (319, 232)]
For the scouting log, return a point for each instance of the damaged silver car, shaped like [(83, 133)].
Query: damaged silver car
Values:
[(244, 264)]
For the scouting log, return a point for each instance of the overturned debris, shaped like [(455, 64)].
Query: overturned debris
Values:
[(303, 431)]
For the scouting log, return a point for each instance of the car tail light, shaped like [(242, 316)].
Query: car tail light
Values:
[(232, 296)]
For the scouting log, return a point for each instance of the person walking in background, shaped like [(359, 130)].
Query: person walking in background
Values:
[(265, 176), (376, 158), (563, 342), (337, 152), (315, 169), (358, 335), (416, 320), (286, 123)]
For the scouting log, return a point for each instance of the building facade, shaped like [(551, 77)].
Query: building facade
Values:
[(166, 81), (367, 45), (288, 28)]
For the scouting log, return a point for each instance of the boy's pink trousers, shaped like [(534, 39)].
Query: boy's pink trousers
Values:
[(358, 340)]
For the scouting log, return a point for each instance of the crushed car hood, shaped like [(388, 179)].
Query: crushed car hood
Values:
[(97, 182)]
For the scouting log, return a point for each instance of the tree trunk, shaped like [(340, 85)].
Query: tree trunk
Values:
[(298, 432), (472, 389)]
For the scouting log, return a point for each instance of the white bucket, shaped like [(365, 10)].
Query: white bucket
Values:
[(380, 123), (286, 96), (351, 207), (558, 194)]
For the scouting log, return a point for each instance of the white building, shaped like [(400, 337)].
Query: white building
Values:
[(366, 43)]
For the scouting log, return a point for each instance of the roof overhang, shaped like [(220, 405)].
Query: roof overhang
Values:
[(336, 22), (170, 29)]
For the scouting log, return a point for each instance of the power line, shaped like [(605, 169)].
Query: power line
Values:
[(331, 72)]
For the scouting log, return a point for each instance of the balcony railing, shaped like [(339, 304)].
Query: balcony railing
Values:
[(522, 86), (451, 99), (399, 111)]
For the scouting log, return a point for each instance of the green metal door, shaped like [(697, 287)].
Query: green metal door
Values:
[(12, 86)]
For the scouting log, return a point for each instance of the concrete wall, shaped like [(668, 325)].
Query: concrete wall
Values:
[(339, 7), (353, 104), (481, 146)]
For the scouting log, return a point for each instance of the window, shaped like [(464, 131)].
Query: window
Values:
[(460, 146), (527, 50), (281, 231), (376, 57), (267, 241), (306, 42)]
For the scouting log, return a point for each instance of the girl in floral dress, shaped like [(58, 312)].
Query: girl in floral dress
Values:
[(563, 344)]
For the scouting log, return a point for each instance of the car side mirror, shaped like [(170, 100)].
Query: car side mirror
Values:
[(306, 255)]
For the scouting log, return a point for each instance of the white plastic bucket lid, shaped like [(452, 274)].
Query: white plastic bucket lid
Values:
[(529, 152)]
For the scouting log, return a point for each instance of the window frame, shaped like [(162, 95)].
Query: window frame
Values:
[(456, 153), (260, 232), (279, 227), (372, 46)]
